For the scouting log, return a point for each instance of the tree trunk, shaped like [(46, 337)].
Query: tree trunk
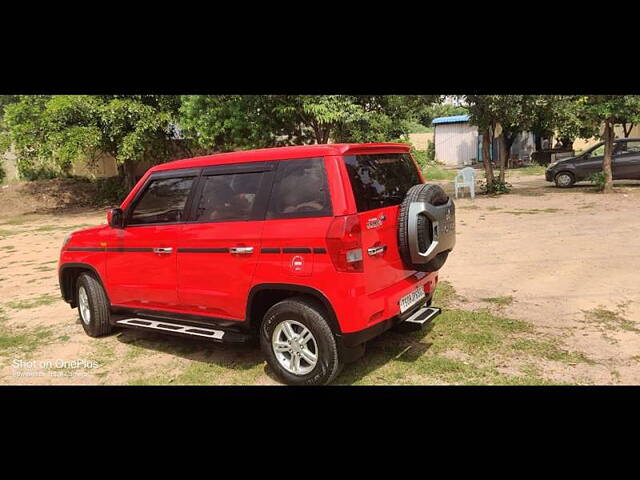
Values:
[(504, 153), (128, 174), (624, 129), (486, 159), (606, 161)]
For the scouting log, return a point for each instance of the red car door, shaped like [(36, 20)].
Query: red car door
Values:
[(141, 258), (217, 251)]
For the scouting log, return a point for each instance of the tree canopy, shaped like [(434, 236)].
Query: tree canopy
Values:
[(49, 133), (251, 121)]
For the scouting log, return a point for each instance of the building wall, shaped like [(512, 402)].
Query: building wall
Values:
[(421, 140), (103, 166), (456, 143), (8, 160), (581, 144)]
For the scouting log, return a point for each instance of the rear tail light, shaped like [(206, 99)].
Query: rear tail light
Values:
[(344, 244)]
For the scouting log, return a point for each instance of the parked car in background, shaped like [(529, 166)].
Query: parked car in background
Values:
[(625, 164)]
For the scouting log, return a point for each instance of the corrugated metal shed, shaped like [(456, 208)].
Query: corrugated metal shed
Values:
[(453, 119), (456, 143)]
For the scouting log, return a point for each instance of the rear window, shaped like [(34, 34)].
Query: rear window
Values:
[(381, 180)]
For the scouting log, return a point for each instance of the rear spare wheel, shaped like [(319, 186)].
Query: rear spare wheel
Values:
[(426, 228)]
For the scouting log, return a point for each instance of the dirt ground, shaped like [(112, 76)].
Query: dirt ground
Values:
[(565, 262)]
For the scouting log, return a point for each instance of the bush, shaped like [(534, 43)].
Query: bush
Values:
[(495, 188), (420, 157), (598, 180), (108, 191), (3, 172), (431, 152), (425, 158)]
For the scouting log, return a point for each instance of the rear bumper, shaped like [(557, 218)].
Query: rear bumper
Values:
[(354, 339)]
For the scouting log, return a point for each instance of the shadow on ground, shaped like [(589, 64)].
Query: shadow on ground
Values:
[(396, 344), (227, 355)]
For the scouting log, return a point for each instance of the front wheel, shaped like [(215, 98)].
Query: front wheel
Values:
[(93, 306), (299, 344), (564, 180)]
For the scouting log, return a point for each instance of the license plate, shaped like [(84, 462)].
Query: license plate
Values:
[(411, 299)]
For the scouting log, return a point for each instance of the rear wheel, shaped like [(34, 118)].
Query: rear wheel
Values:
[(299, 344), (93, 306), (564, 180)]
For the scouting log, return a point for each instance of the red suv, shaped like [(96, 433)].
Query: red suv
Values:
[(313, 249)]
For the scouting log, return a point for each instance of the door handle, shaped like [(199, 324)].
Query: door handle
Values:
[(163, 250), (241, 250), (376, 250)]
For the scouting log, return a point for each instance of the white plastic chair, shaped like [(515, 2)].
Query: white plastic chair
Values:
[(466, 178)]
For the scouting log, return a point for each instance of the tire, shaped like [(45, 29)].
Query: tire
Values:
[(94, 315), (434, 195), (300, 313), (564, 179)]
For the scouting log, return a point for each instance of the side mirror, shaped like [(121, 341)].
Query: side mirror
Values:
[(115, 218)]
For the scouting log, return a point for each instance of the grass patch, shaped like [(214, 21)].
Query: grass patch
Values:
[(103, 352), (610, 319), (528, 170), (532, 211), (550, 351), (500, 301), (445, 295), (5, 233), (24, 342), (33, 302), (135, 351), (459, 347), (19, 220), (207, 373), (435, 172)]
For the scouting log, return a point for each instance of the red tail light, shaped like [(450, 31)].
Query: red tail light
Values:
[(344, 243)]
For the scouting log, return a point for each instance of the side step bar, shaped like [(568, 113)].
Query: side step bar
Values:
[(424, 315), (190, 330)]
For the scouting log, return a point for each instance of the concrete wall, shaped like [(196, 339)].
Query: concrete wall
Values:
[(456, 143), (8, 160), (103, 166), (420, 140), (581, 144)]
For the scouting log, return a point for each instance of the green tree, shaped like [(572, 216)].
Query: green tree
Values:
[(502, 117), (227, 122), (49, 133), (607, 110), (435, 110)]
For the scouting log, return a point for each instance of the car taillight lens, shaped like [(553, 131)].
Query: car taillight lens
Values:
[(344, 243)]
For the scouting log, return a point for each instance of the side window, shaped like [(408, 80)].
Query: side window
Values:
[(598, 152), (162, 202), (633, 147), (228, 197), (620, 148), (300, 190)]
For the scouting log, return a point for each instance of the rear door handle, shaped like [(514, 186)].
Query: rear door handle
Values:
[(241, 250), (163, 250)]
